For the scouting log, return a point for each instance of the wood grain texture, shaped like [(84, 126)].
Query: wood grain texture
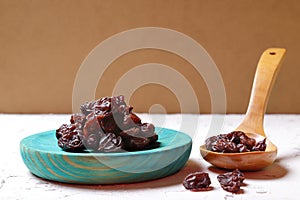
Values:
[(265, 76), (252, 124), (45, 159)]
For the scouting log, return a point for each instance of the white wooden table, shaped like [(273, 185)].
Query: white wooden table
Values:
[(279, 181)]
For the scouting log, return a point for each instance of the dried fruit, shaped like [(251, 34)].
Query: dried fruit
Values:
[(260, 146), (231, 181), (110, 143), (234, 142), (68, 138), (106, 125), (139, 137), (197, 181)]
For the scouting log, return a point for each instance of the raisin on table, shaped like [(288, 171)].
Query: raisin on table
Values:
[(197, 181), (231, 181)]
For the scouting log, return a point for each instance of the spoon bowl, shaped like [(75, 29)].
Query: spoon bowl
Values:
[(246, 161), (252, 124)]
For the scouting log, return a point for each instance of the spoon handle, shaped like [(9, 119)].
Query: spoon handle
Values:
[(266, 72)]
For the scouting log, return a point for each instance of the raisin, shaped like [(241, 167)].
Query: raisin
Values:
[(242, 148), (110, 143), (110, 113), (68, 138), (225, 146), (139, 137), (91, 126), (260, 146), (78, 120), (110, 122), (107, 125), (196, 181), (64, 129), (147, 128), (234, 142), (87, 108), (131, 120), (92, 141), (245, 140), (231, 181), (209, 142)]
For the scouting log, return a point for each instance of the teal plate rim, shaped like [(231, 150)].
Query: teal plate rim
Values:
[(163, 135), (43, 157)]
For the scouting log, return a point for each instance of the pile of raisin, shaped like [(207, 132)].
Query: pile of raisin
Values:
[(106, 125), (234, 142), (200, 181)]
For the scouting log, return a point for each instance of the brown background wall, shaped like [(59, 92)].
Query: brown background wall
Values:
[(44, 42)]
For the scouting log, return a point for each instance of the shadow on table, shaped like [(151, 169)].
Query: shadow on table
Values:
[(275, 171), (174, 179)]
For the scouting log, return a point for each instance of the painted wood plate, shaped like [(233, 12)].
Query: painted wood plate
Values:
[(45, 159)]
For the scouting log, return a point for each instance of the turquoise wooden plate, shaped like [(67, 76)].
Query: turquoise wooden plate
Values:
[(45, 159)]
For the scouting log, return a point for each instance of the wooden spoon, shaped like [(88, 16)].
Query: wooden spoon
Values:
[(252, 124)]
